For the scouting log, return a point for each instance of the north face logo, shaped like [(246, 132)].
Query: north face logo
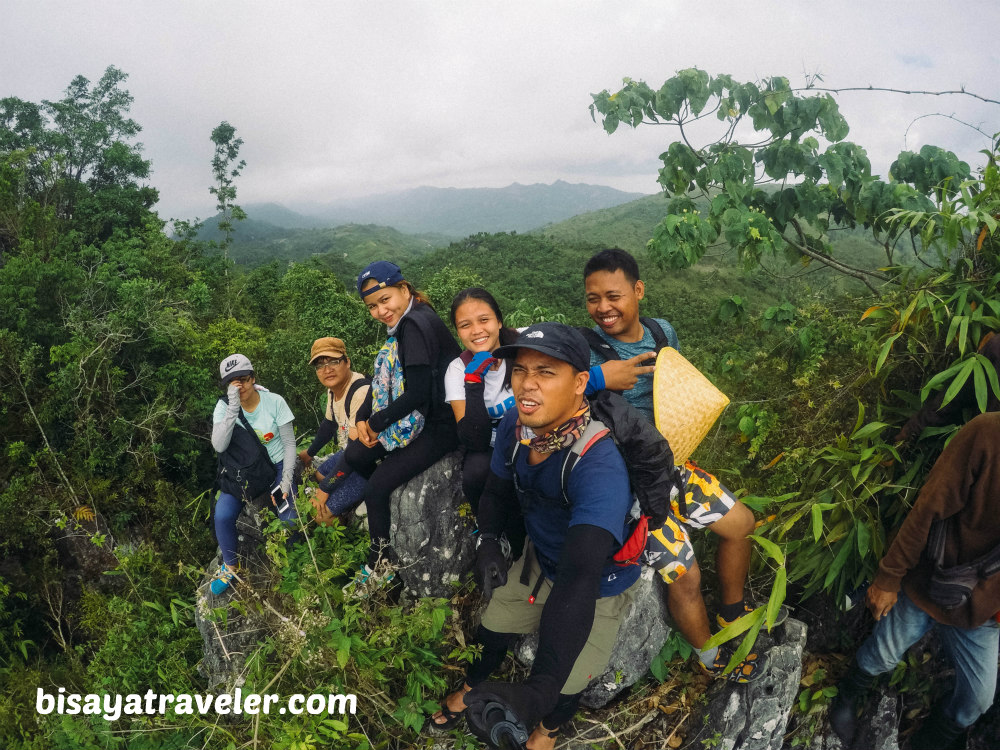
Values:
[(534, 335), (231, 364)]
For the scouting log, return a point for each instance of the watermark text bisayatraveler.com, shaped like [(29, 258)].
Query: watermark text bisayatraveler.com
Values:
[(112, 706)]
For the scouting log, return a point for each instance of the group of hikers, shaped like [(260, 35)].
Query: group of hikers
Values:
[(572, 489)]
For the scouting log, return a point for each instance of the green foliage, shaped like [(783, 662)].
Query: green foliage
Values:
[(732, 307), (778, 316), (807, 189), (226, 169), (111, 334)]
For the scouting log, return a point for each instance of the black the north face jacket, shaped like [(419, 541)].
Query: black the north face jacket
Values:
[(647, 453)]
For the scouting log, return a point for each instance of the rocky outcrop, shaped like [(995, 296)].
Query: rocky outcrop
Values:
[(643, 632), (754, 716), (230, 634), (85, 554), (433, 542), (878, 727)]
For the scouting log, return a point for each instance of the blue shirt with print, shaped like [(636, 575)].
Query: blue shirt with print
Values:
[(599, 496), (641, 394)]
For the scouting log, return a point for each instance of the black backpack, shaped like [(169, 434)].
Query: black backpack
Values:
[(245, 469), (602, 348)]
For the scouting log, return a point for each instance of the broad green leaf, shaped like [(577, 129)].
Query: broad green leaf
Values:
[(772, 549), (869, 430), (979, 379), (735, 628), (748, 641), (959, 381), (864, 538), (838, 561), (777, 597), (884, 352)]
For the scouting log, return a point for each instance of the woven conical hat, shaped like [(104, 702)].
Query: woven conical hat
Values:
[(685, 403)]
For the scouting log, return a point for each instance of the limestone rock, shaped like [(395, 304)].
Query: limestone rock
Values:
[(84, 561), (878, 727), (754, 716), (227, 642), (643, 632), (434, 544)]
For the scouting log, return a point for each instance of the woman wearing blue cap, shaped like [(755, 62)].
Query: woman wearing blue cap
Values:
[(411, 427)]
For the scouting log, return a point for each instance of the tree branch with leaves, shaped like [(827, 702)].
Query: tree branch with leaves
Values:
[(783, 188)]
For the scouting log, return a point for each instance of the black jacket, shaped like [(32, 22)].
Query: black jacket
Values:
[(647, 453)]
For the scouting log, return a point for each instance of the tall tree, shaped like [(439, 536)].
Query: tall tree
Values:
[(226, 169), (76, 156)]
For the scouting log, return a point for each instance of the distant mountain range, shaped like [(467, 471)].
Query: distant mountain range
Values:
[(453, 212)]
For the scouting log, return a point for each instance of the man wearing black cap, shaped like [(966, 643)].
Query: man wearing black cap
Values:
[(564, 585)]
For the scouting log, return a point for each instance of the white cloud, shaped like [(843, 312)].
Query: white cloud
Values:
[(349, 98)]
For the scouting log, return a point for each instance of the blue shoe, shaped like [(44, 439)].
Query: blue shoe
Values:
[(367, 577), (223, 579)]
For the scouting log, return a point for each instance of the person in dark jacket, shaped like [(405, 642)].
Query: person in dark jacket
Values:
[(417, 352), (962, 489), (270, 421)]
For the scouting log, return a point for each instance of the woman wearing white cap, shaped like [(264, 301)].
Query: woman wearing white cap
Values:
[(252, 433)]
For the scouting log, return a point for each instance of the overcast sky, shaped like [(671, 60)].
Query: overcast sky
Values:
[(340, 99)]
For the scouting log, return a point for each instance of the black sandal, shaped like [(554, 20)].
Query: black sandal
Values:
[(451, 718)]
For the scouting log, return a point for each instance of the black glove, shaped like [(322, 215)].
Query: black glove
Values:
[(502, 714), (491, 565)]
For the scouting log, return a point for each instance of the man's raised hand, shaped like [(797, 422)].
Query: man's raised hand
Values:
[(623, 374)]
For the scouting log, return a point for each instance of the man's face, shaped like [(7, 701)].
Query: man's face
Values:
[(332, 372), (613, 302), (548, 391)]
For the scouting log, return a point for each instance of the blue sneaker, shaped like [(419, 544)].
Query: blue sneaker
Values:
[(223, 579), (366, 577)]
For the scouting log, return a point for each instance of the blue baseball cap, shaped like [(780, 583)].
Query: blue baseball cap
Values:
[(382, 272), (558, 340)]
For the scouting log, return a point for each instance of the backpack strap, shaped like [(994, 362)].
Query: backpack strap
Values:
[(353, 389), (595, 432), (598, 345), (660, 338), (603, 349), (466, 356), (246, 424)]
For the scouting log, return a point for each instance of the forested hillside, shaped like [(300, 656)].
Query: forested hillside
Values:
[(111, 332)]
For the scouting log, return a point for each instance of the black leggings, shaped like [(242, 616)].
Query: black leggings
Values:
[(475, 469), (495, 647), (397, 468)]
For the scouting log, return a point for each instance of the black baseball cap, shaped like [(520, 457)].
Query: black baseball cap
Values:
[(382, 272), (558, 340)]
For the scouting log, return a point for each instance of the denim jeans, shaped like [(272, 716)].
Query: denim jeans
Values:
[(973, 653), (344, 491), (227, 510)]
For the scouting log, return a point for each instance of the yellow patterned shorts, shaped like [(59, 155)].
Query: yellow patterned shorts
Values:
[(705, 501)]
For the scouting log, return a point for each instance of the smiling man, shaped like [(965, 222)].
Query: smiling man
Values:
[(566, 584), (623, 349), (623, 345)]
